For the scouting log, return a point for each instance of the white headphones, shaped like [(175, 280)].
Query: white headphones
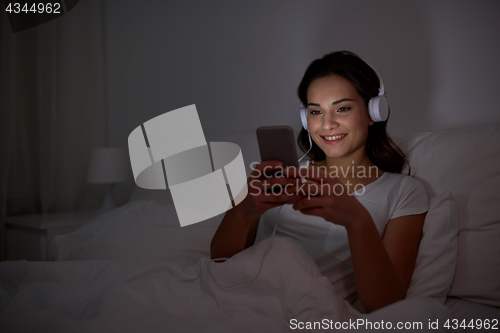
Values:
[(378, 108)]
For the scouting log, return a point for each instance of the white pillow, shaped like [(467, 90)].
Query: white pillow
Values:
[(437, 253), (141, 232), (466, 163)]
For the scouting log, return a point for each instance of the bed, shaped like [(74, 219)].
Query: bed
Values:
[(134, 269)]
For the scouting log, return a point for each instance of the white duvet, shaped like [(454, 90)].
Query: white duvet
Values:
[(255, 291)]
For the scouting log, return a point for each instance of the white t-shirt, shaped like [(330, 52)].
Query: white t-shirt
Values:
[(391, 195)]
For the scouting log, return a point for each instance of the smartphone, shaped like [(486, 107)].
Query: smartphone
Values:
[(277, 143)]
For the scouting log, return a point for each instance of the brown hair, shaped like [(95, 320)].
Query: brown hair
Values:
[(381, 149)]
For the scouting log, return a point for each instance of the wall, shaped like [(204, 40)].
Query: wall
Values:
[(240, 62)]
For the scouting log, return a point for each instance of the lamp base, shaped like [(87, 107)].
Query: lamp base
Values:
[(108, 203)]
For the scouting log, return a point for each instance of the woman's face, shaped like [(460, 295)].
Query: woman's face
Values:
[(337, 118)]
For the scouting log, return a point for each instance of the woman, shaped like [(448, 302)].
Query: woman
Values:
[(363, 226)]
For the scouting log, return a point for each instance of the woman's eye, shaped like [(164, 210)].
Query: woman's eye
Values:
[(343, 109), (315, 112)]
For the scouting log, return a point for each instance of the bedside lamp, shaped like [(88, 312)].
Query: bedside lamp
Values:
[(108, 166)]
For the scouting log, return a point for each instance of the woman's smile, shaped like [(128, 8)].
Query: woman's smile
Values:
[(333, 139)]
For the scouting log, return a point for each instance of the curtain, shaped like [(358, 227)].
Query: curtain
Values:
[(52, 112)]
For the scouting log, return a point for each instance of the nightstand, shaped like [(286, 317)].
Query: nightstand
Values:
[(29, 237)]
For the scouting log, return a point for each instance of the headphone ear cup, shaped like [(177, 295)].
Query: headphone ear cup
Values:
[(303, 116), (378, 108)]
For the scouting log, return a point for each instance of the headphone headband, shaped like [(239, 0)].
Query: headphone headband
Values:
[(381, 90)]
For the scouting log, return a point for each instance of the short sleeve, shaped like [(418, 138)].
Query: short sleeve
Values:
[(412, 198)]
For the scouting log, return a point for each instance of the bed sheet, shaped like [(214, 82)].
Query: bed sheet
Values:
[(465, 310), (109, 296), (141, 232), (134, 269), (205, 297)]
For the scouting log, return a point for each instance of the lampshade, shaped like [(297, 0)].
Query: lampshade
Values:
[(108, 166)]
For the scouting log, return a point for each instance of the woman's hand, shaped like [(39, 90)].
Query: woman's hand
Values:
[(238, 228), (268, 192), (382, 267), (327, 197)]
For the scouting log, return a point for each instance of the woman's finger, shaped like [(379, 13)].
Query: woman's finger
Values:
[(266, 166), (281, 197), (276, 183), (314, 174), (310, 202), (257, 186), (313, 211)]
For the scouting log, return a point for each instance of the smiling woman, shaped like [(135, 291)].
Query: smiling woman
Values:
[(338, 121), (364, 84), (365, 241)]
